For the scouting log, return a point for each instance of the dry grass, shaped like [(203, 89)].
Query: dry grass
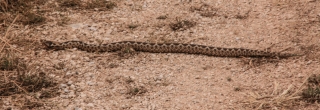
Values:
[(312, 92), (101, 5), (70, 3), (288, 98), (133, 26), (276, 99), (181, 25), (162, 17), (205, 10), (30, 15), (21, 83), (18, 79), (23, 8)]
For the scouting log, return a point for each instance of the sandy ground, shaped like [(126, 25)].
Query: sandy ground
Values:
[(179, 81)]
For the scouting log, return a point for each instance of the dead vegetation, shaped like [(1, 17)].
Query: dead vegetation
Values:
[(20, 83), (312, 52), (257, 62), (181, 25), (31, 14), (162, 17), (312, 92), (101, 5), (291, 97), (133, 91), (205, 10), (70, 3), (276, 99), (133, 26), (98, 5), (23, 8)]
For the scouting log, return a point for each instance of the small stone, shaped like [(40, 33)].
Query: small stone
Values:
[(64, 96), (90, 105), (72, 87), (66, 103), (70, 83), (69, 73), (71, 94), (66, 90), (38, 95), (63, 85), (83, 95), (309, 62), (77, 108), (86, 58), (90, 83), (44, 32)]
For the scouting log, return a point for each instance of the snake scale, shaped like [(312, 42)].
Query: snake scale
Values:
[(163, 48)]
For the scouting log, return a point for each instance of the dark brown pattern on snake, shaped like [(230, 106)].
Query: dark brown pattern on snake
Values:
[(164, 48)]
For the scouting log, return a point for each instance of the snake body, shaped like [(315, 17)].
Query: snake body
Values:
[(163, 48)]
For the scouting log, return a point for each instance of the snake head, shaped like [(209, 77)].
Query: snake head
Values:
[(49, 44)]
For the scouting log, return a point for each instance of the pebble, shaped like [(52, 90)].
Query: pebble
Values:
[(70, 83), (72, 87), (90, 83), (86, 58), (66, 90), (90, 104), (309, 62), (71, 94), (44, 32), (63, 85), (64, 96), (77, 108), (83, 95), (66, 103), (69, 73)]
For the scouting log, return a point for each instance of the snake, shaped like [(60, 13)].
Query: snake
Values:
[(163, 48)]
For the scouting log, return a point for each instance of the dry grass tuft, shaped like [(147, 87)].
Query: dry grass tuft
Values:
[(182, 25), (101, 5), (133, 91), (205, 10), (70, 3), (32, 18), (312, 52), (15, 5), (9, 61), (312, 93), (162, 17), (24, 8), (277, 99), (133, 26), (21, 83), (288, 98), (257, 62), (16, 79)]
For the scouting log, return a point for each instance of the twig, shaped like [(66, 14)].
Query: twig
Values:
[(3, 40), (20, 87)]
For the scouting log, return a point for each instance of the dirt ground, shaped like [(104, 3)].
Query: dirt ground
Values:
[(176, 81)]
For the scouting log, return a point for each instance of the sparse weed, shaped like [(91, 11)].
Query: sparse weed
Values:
[(182, 25), (312, 93), (101, 5)]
